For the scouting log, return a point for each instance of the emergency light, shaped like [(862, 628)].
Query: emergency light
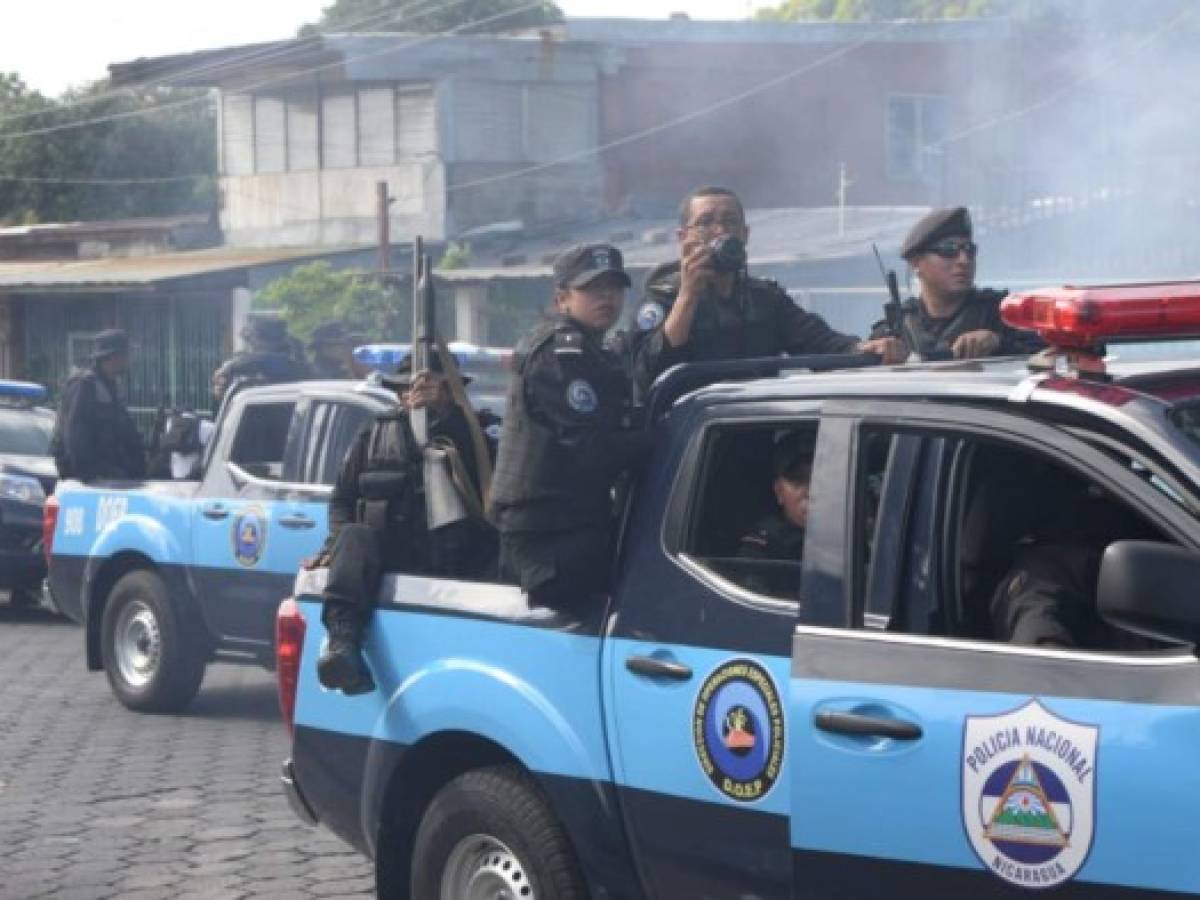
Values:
[(1083, 318)]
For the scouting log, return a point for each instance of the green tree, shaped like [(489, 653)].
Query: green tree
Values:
[(316, 292), (1114, 13), (45, 168), (393, 15)]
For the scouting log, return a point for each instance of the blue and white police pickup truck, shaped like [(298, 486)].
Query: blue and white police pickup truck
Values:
[(167, 576), (851, 723)]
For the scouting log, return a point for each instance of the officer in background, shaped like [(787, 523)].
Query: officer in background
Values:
[(331, 354), (268, 357), (950, 315), (377, 520), (565, 442), (94, 435), (779, 535), (706, 306)]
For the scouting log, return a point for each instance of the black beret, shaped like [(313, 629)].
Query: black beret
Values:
[(941, 223)]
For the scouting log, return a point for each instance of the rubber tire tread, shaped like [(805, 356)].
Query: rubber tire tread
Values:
[(501, 801), (181, 668)]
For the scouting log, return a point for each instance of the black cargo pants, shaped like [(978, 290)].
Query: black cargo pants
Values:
[(355, 573)]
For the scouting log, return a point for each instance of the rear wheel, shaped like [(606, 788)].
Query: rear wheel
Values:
[(490, 835), (149, 663)]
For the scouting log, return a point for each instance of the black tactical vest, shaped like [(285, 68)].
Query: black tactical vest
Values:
[(538, 485), (389, 487)]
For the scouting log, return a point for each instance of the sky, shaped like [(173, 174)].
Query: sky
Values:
[(55, 44)]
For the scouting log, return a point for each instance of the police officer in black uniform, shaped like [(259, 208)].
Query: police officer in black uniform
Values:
[(377, 520), (331, 354), (951, 316), (268, 357), (94, 436), (706, 306), (565, 442), (779, 535)]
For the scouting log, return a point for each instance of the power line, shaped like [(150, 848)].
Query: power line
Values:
[(257, 55), (192, 101)]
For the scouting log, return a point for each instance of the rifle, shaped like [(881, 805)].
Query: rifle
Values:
[(445, 502), (893, 312)]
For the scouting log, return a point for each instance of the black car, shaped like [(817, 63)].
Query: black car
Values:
[(27, 478)]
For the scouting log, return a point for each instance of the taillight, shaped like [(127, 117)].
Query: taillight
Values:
[(289, 643), (49, 523)]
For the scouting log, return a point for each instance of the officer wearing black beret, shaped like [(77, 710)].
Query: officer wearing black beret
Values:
[(565, 442), (95, 437), (950, 315)]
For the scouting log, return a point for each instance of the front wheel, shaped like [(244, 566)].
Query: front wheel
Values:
[(490, 835), (149, 663)]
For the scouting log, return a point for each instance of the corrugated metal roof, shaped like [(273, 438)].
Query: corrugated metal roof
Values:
[(142, 271)]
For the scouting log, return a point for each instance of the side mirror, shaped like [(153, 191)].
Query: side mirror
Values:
[(1149, 588)]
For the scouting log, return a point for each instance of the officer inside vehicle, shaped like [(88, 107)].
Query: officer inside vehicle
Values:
[(331, 352), (949, 315), (706, 306), (779, 535), (94, 436), (377, 520), (268, 357), (565, 440), (1048, 596)]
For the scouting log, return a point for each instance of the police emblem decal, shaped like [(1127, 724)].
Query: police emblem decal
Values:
[(249, 535), (601, 260), (738, 730), (650, 315), (581, 396), (1029, 794)]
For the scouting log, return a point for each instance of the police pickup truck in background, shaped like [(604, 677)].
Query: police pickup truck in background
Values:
[(168, 575), (848, 724)]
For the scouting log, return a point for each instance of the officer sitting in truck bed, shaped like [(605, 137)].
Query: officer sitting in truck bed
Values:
[(377, 520)]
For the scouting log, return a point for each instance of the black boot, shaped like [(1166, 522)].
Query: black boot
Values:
[(341, 666)]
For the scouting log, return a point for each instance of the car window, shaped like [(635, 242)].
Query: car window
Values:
[(333, 429), (999, 543), (261, 439), (748, 517), (25, 432)]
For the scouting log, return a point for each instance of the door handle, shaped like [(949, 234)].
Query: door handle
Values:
[(871, 726), (654, 667), (215, 512), (296, 521)]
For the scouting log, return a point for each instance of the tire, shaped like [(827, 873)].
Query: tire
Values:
[(149, 663), (489, 833)]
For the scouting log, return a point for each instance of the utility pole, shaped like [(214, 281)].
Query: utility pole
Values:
[(843, 184), (383, 202)]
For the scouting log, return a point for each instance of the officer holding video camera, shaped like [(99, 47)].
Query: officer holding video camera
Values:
[(706, 306)]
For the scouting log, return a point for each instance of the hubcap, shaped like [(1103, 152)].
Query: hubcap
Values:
[(481, 867), (137, 644)]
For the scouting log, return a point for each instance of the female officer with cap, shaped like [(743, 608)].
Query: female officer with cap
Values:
[(564, 443)]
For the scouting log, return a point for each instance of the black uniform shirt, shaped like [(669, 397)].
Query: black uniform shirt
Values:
[(775, 538), (926, 334), (760, 319), (95, 435), (565, 440)]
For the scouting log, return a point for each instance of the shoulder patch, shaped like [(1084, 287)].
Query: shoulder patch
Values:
[(650, 315), (493, 431), (568, 341), (581, 396)]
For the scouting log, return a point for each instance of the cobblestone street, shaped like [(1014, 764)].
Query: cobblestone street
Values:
[(97, 801)]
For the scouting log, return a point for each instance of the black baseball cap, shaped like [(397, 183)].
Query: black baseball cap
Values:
[(403, 375), (583, 264), (792, 448)]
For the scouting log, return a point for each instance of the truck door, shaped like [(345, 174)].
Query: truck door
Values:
[(264, 507), (929, 759), (698, 664)]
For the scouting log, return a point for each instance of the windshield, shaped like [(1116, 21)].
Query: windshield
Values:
[(25, 432)]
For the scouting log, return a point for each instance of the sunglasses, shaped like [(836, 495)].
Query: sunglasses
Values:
[(951, 249)]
